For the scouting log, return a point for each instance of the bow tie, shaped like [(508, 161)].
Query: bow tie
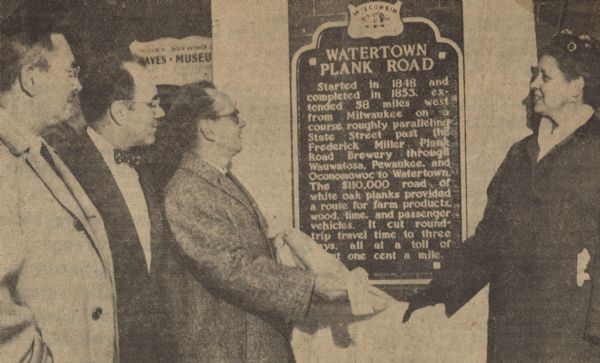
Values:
[(127, 157)]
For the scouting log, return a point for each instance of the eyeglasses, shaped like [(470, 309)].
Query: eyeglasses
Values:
[(73, 71), (154, 104), (234, 116)]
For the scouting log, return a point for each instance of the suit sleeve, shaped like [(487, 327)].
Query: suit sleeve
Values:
[(20, 338), (469, 268), (244, 277)]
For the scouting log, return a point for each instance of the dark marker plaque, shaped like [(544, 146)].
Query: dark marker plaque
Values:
[(378, 124)]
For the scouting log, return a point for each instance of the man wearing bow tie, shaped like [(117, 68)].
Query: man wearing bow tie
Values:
[(122, 109)]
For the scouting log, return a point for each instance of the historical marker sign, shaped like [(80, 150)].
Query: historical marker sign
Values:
[(378, 123)]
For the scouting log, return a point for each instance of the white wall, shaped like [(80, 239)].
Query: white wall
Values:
[(251, 64), (250, 55)]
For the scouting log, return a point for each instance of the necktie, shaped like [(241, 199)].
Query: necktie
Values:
[(127, 157), (48, 157)]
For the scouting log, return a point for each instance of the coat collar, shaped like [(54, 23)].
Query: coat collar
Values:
[(26, 145), (17, 139), (64, 187), (228, 184), (69, 193), (194, 163), (214, 176), (589, 129)]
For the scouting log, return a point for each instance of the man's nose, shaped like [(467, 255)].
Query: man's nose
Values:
[(76, 84), (241, 123), (535, 83), (159, 112)]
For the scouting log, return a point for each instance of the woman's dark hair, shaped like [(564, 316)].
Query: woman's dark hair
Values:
[(578, 56)]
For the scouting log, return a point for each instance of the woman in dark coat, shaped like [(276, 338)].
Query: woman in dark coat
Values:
[(541, 225)]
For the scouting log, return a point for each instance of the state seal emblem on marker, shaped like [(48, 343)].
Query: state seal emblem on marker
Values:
[(375, 20)]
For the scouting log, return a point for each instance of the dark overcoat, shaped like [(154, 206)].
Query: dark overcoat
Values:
[(540, 215), (234, 301), (138, 301)]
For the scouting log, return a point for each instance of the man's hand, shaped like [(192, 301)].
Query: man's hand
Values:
[(278, 239), (331, 287), (297, 240), (294, 233), (380, 301)]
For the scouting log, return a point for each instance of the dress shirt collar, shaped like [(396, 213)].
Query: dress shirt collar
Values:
[(223, 171), (106, 149), (192, 162), (18, 139)]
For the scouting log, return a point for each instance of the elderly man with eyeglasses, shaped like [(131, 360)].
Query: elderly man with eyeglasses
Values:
[(235, 302), (57, 298)]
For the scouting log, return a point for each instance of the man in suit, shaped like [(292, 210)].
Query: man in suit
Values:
[(238, 301), (122, 109), (56, 283)]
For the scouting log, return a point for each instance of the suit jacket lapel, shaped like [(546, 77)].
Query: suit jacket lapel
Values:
[(87, 163), (69, 193), (248, 199), (209, 173), (57, 187), (232, 186)]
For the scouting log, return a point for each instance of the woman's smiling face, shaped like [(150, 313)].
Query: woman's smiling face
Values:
[(551, 89)]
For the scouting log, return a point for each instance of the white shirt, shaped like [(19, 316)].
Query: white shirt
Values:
[(128, 182)]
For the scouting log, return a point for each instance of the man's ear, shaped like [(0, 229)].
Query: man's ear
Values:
[(29, 79), (205, 127), (117, 110)]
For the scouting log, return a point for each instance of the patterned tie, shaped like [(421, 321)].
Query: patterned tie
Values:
[(127, 157)]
